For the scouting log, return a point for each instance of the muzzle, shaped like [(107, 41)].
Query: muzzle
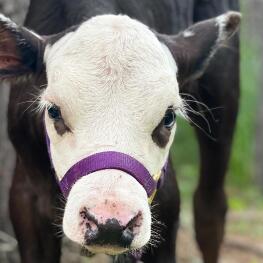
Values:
[(111, 160)]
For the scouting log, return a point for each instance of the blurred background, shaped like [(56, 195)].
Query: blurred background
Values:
[(244, 233)]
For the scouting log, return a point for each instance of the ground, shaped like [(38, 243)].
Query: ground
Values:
[(243, 242)]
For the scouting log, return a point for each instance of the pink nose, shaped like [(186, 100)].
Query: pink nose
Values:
[(112, 209), (110, 223)]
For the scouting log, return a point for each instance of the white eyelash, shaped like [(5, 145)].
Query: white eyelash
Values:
[(182, 110), (44, 104)]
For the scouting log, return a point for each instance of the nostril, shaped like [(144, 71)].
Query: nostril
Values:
[(131, 230), (126, 237), (91, 235), (112, 232), (91, 225), (88, 218), (135, 223)]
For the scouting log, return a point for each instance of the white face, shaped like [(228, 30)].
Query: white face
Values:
[(113, 82)]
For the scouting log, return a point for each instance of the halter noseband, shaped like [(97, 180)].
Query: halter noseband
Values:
[(111, 160)]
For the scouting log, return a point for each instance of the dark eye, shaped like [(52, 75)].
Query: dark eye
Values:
[(54, 112), (169, 118)]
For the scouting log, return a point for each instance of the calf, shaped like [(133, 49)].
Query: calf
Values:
[(107, 94)]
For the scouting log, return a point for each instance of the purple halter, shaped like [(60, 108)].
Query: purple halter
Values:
[(109, 160)]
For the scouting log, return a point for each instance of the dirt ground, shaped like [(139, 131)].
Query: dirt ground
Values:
[(236, 249), (243, 242)]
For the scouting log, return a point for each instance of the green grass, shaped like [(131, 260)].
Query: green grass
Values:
[(185, 158), (242, 187), (242, 190), (242, 163)]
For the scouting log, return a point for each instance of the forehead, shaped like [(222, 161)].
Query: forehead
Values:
[(108, 53)]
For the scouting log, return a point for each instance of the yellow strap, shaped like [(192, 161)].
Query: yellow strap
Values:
[(156, 178)]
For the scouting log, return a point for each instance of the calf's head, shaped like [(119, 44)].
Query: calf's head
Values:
[(112, 85)]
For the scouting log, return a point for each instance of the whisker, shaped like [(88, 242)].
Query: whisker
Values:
[(43, 85), (200, 128), (195, 100), (58, 229), (190, 109), (31, 104), (206, 107), (35, 102), (199, 113)]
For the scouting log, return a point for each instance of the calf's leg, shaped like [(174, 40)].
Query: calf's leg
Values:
[(166, 207), (210, 204), (219, 87), (31, 215)]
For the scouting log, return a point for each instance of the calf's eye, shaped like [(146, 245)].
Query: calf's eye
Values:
[(54, 112), (162, 132), (169, 118)]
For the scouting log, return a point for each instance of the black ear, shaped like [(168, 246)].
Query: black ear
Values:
[(193, 48), (21, 51)]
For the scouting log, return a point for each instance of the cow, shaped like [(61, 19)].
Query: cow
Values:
[(96, 88)]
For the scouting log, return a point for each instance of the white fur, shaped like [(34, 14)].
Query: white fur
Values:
[(113, 81), (223, 34), (12, 25), (8, 21), (188, 33), (222, 21), (35, 34)]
